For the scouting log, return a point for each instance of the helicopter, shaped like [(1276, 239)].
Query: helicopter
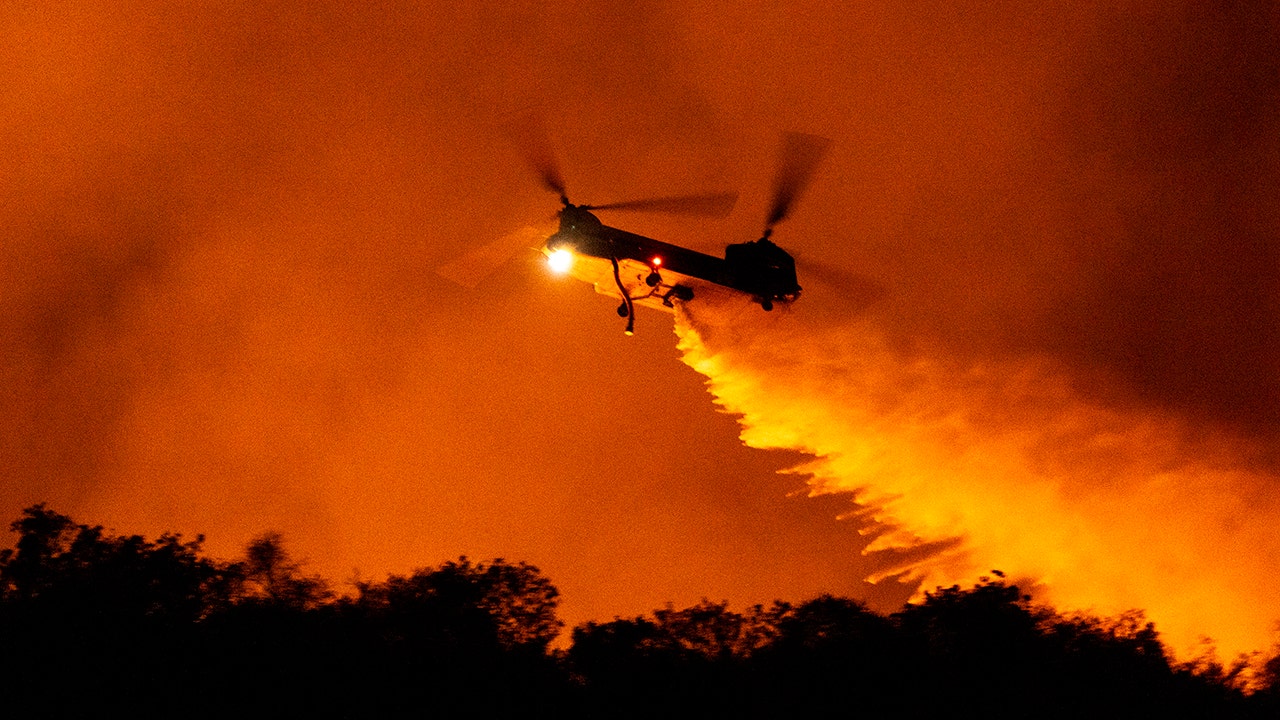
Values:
[(642, 271)]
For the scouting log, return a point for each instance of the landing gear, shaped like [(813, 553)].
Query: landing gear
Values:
[(767, 304)]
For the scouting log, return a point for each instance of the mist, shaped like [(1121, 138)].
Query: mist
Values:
[(1050, 257), (958, 469)]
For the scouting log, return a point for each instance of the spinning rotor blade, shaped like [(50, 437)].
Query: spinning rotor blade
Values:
[(854, 290), (800, 156), (474, 266), (530, 136), (716, 205)]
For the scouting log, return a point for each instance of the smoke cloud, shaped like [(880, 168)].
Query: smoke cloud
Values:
[(1047, 341)]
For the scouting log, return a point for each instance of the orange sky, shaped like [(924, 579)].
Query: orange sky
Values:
[(218, 309)]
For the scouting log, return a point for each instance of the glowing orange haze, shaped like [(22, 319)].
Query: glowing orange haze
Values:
[(219, 313), (1003, 466)]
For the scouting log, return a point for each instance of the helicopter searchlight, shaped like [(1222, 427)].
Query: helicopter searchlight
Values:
[(560, 261)]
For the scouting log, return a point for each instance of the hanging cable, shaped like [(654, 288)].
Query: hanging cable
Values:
[(626, 296)]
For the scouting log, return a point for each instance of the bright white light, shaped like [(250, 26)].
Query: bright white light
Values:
[(560, 260)]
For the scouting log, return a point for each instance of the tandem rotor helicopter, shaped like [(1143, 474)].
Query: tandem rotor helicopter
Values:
[(642, 271)]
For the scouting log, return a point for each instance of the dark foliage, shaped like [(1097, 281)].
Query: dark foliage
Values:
[(679, 662), (833, 652), (92, 623)]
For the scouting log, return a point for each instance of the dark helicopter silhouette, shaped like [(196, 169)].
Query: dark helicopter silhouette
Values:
[(639, 270)]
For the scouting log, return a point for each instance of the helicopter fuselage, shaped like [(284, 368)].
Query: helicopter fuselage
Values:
[(643, 271)]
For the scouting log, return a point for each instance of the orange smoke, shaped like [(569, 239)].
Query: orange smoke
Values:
[(962, 468)]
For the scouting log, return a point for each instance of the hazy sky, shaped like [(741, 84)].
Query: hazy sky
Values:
[(219, 311)]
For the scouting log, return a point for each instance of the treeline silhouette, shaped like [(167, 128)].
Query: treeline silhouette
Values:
[(94, 623)]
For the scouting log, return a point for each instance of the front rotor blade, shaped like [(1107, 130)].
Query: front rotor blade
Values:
[(480, 262), (709, 205), (800, 156), (530, 137)]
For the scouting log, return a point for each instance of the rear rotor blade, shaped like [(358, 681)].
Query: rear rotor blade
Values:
[(799, 157), (529, 134), (838, 286), (709, 205)]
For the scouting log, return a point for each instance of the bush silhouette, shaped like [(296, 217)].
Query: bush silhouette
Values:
[(94, 623)]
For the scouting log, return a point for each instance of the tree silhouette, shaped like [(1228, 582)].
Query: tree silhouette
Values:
[(498, 604), (459, 638), (76, 571), (827, 651), (85, 610), (677, 662), (268, 575), (97, 623), (42, 536)]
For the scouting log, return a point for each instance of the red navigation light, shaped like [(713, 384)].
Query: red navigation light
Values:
[(656, 262)]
